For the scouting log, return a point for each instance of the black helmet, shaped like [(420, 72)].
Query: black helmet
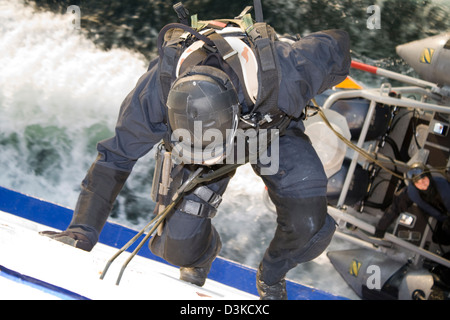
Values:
[(203, 109)]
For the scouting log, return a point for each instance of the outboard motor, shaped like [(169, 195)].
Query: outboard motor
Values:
[(429, 57)]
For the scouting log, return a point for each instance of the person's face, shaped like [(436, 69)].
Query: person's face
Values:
[(422, 184)]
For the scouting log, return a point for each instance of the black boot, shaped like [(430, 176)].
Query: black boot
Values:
[(275, 291), (195, 275), (99, 190)]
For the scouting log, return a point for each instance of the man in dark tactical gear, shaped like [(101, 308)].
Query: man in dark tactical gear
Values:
[(430, 193), (209, 92)]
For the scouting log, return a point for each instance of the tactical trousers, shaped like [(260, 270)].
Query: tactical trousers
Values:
[(298, 190)]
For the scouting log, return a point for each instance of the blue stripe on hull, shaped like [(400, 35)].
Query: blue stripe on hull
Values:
[(115, 235), (43, 286)]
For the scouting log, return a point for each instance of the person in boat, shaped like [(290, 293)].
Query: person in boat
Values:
[(430, 193), (304, 68)]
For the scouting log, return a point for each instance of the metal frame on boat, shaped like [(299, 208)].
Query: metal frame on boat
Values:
[(358, 225), (376, 96)]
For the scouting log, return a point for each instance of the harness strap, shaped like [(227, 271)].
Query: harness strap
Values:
[(232, 58), (195, 58), (209, 196), (195, 208), (258, 11), (162, 33), (169, 48), (263, 38)]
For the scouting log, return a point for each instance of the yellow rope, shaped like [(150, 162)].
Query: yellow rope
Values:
[(363, 152)]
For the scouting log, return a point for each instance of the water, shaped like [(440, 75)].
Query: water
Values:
[(60, 94)]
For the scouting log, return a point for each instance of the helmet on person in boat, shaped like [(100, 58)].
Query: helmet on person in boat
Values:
[(416, 172)]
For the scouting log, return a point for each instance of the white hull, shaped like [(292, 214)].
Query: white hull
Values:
[(25, 251)]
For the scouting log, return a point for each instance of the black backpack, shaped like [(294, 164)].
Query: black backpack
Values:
[(174, 38)]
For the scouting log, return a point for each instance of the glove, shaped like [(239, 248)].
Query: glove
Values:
[(73, 239)]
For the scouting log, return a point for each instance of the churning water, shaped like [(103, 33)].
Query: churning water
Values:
[(60, 95)]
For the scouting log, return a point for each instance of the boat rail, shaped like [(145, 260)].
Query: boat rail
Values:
[(380, 96)]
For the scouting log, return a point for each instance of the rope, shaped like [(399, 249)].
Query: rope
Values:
[(193, 180), (366, 154)]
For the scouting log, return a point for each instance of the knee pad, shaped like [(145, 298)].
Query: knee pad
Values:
[(274, 268), (187, 241), (319, 242)]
